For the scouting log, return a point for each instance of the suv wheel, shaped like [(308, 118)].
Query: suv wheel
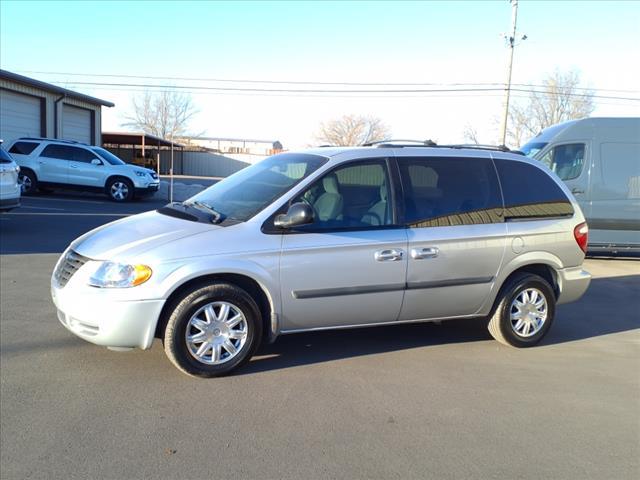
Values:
[(212, 330), (524, 311), (120, 190), (28, 182)]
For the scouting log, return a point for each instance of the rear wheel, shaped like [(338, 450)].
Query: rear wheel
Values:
[(213, 330), (28, 182), (524, 311), (120, 189)]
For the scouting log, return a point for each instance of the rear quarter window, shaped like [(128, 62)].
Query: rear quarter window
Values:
[(529, 192), (23, 148), (4, 157)]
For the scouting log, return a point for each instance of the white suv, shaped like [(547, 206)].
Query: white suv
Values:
[(9, 188), (47, 163)]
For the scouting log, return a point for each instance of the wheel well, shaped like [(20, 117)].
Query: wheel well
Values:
[(248, 284), (113, 177), (542, 270), (27, 169)]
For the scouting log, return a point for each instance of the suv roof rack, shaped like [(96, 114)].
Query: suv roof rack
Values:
[(400, 143), (431, 143), (60, 140)]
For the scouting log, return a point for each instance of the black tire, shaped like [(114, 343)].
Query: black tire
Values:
[(181, 314), (120, 189), (500, 323), (45, 190), (28, 182)]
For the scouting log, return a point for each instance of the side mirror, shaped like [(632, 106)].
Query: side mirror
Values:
[(95, 161), (298, 214)]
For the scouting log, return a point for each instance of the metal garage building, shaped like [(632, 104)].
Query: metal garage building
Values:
[(31, 108)]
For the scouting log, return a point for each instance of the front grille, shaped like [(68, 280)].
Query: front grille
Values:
[(68, 267)]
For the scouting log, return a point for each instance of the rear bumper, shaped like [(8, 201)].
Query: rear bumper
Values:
[(9, 203), (572, 282)]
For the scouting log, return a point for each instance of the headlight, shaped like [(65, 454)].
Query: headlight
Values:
[(141, 174), (119, 275)]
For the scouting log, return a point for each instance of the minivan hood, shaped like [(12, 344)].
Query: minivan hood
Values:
[(134, 235)]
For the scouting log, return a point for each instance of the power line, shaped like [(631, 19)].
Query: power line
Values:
[(344, 91), (306, 82)]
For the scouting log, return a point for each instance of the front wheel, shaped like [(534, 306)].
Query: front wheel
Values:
[(213, 330), (120, 190), (524, 311)]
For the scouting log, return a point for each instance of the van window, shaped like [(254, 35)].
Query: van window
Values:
[(529, 192), (620, 170), (566, 160), (354, 196), (23, 148), (450, 191)]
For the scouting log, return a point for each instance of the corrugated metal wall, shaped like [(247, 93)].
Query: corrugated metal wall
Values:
[(201, 164)]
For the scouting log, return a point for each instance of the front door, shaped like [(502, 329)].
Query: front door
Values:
[(83, 172), (348, 267), (456, 235)]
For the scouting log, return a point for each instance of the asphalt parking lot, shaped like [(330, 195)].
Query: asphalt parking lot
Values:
[(413, 401)]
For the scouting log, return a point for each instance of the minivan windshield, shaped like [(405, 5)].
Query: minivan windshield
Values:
[(108, 156), (245, 193), (531, 148)]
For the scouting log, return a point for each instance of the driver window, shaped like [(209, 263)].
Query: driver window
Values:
[(566, 160), (353, 196)]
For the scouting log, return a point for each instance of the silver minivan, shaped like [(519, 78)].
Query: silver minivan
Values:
[(599, 160), (331, 238)]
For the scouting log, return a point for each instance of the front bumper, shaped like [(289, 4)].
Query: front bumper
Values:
[(103, 321), (573, 282), (148, 189)]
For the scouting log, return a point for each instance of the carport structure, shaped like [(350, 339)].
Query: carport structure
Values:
[(143, 149)]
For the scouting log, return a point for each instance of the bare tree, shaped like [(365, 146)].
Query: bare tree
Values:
[(352, 130), (470, 134), (165, 114), (557, 100)]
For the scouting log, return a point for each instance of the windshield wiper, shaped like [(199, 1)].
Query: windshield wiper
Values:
[(217, 216)]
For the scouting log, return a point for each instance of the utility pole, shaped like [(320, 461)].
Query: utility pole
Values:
[(511, 39)]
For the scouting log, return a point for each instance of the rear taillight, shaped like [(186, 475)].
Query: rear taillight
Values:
[(581, 234)]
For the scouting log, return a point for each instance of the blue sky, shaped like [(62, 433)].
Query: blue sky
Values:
[(323, 41)]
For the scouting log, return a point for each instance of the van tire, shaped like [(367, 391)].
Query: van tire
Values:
[(180, 324), (500, 323)]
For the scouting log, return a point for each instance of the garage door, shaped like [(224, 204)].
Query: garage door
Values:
[(19, 116), (76, 124)]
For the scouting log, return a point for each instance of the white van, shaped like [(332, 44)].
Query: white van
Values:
[(599, 160)]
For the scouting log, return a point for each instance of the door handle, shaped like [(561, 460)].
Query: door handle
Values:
[(41, 162), (576, 191), (391, 255), (427, 252), (73, 165)]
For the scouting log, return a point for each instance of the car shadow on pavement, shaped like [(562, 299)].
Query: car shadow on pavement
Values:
[(611, 305)]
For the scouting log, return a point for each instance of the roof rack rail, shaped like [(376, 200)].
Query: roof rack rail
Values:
[(60, 140), (391, 142), (480, 146)]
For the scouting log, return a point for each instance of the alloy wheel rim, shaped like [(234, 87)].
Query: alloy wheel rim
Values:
[(528, 312), (119, 190), (25, 184), (216, 333)]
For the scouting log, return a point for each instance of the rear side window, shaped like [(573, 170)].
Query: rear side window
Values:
[(529, 192), (58, 151), (23, 148), (450, 191), (65, 152)]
